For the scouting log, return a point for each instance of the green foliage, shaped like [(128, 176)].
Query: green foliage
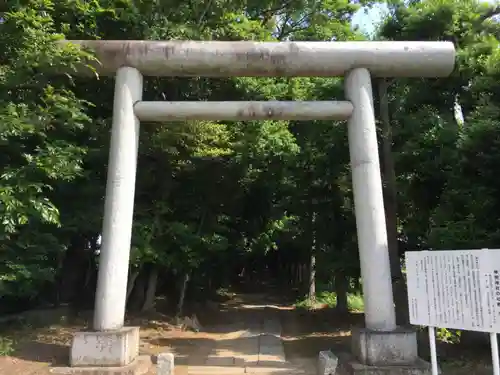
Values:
[(6, 346), (437, 202), (217, 192), (325, 298), (40, 119), (466, 216), (448, 336)]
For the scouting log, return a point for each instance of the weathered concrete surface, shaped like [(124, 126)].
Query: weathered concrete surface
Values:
[(273, 326), (420, 367), (243, 111), (368, 197), (271, 352), (327, 363), (214, 370), (110, 348), (165, 363), (385, 348), (139, 366), (258, 350), (112, 278), (350, 366), (245, 58)]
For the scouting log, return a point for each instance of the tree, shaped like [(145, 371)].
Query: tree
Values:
[(41, 120)]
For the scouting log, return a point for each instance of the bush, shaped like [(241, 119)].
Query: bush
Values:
[(355, 301), (6, 346)]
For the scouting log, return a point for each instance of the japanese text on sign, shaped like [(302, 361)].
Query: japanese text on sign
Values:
[(457, 289)]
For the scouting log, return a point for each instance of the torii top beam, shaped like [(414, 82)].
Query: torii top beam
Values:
[(267, 59)]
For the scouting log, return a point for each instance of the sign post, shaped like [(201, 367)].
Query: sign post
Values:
[(494, 353), (433, 350), (456, 289)]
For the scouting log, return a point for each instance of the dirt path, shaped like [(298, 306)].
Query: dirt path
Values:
[(303, 333), (246, 330), (234, 333), (246, 339)]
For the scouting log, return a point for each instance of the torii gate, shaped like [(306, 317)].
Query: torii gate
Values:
[(381, 342)]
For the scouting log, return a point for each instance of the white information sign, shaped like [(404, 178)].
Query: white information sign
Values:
[(457, 289)]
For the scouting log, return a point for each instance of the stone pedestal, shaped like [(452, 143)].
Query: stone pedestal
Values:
[(373, 348), (106, 353), (384, 353), (105, 349), (353, 367)]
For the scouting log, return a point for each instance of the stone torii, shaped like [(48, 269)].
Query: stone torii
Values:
[(381, 342)]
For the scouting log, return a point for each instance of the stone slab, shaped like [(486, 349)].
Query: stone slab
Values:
[(222, 353), (220, 361), (348, 365), (269, 340), (215, 370), (141, 365), (267, 363), (248, 334), (105, 349), (165, 364), (271, 351), (327, 363), (382, 348), (182, 360), (258, 349), (288, 370), (251, 360), (240, 362), (248, 350), (272, 327)]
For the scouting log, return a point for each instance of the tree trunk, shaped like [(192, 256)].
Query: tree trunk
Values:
[(180, 306), (138, 293), (312, 261), (131, 283), (390, 202), (341, 289), (149, 300), (72, 274), (86, 295), (312, 279)]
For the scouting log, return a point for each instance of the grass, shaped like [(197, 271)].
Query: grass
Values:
[(329, 299), (6, 346)]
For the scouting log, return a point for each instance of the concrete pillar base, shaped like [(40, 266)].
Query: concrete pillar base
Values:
[(383, 353), (105, 348), (374, 348), (350, 366), (139, 366)]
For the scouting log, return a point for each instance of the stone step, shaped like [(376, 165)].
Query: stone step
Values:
[(262, 360), (348, 365), (140, 366), (268, 370), (269, 340), (224, 361), (272, 353), (272, 327), (271, 350), (258, 370), (209, 370)]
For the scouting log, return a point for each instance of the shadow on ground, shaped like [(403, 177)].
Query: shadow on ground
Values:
[(53, 354), (304, 332)]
